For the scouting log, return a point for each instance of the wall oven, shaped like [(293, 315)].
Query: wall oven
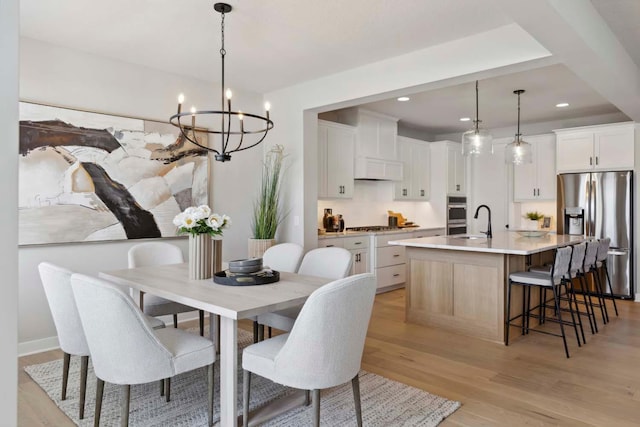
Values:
[(456, 215)]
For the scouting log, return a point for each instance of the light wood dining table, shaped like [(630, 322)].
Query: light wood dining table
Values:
[(231, 303)]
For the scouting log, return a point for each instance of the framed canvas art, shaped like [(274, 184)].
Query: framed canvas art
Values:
[(92, 177)]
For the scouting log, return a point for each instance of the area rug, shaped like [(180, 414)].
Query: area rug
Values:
[(384, 402)]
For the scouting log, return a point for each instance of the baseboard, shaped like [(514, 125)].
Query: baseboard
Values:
[(27, 348)]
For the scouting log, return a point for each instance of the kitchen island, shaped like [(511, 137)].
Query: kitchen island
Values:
[(459, 283)]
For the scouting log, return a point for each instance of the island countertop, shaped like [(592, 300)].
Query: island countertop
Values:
[(503, 242)]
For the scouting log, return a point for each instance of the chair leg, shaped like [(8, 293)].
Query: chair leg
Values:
[(559, 316), (124, 405), (572, 297), (255, 331), (508, 316), (355, 384), (99, 394), (175, 320), (606, 273), (210, 387), (588, 303), (201, 318), (269, 331), (84, 366), (260, 332), (246, 390), (601, 298), (316, 408), (573, 318), (65, 374), (167, 389), (161, 387)]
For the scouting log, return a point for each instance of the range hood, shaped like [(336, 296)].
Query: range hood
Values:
[(368, 168)]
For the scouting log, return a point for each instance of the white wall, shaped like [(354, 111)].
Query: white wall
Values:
[(9, 33), (295, 108), (63, 77)]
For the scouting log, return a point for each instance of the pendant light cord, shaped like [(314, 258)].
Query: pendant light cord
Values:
[(518, 134), (476, 121)]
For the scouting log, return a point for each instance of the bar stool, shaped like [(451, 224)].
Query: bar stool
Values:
[(553, 281), (601, 262), (590, 268)]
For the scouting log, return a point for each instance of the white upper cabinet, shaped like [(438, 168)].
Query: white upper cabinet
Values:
[(336, 144), (605, 147), (376, 136), (415, 157), (456, 169), (537, 180)]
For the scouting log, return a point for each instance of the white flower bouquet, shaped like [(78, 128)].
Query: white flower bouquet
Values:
[(200, 220)]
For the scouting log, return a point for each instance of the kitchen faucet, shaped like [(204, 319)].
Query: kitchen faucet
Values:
[(488, 232)]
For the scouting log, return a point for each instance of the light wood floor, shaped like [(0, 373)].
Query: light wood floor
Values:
[(528, 383)]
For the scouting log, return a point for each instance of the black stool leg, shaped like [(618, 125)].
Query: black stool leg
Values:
[(606, 273), (590, 295), (601, 299), (573, 319), (572, 297), (559, 315)]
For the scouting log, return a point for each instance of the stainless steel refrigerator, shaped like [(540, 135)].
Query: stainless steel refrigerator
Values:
[(606, 201)]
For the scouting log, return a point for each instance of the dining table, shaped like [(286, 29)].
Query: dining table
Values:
[(231, 303)]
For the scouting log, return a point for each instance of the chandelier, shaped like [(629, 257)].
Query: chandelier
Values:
[(477, 140), (234, 125), (518, 152)]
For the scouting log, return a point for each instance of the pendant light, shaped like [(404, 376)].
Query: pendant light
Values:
[(476, 141), (518, 152), (234, 125)]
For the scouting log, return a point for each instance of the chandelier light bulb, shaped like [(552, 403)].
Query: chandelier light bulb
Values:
[(229, 94), (240, 115), (181, 98), (193, 110), (267, 106)]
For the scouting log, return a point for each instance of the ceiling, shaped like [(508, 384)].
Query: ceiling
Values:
[(270, 44), (439, 111), (278, 43)]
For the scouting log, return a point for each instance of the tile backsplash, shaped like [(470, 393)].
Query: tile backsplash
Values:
[(370, 203)]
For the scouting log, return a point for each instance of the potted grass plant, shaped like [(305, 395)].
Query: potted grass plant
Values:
[(267, 209), (533, 220)]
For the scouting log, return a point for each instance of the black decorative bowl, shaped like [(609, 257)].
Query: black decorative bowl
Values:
[(263, 277)]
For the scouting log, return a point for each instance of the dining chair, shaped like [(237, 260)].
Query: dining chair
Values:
[(329, 263), (125, 350), (56, 282), (282, 257), (324, 347), (160, 253)]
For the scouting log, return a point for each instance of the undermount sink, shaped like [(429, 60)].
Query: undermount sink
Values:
[(468, 237)]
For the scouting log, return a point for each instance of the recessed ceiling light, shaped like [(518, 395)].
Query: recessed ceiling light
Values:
[(403, 98), (465, 119), (562, 105)]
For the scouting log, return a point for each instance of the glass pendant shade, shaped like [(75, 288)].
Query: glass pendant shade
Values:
[(518, 152), (477, 141)]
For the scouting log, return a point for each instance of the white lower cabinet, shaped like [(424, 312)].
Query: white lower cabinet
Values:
[(390, 261), (359, 248)]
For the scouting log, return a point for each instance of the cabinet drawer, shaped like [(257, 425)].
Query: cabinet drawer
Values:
[(329, 243), (356, 242), (390, 255), (384, 239), (429, 233), (389, 276)]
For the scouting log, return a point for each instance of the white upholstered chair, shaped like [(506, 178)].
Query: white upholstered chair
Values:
[(324, 348), (57, 287), (160, 253), (125, 350), (330, 263), (282, 257)]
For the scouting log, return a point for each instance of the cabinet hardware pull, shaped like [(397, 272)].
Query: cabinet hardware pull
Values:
[(421, 193), (590, 161), (357, 243), (396, 255), (534, 191), (596, 160), (329, 246), (457, 187), (396, 275)]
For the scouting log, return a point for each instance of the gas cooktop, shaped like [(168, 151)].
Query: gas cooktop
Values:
[(372, 228)]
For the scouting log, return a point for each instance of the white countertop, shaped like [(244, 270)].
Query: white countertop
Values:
[(503, 242), (330, 235)]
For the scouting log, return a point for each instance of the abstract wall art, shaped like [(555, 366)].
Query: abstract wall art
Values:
[(93, 177)]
